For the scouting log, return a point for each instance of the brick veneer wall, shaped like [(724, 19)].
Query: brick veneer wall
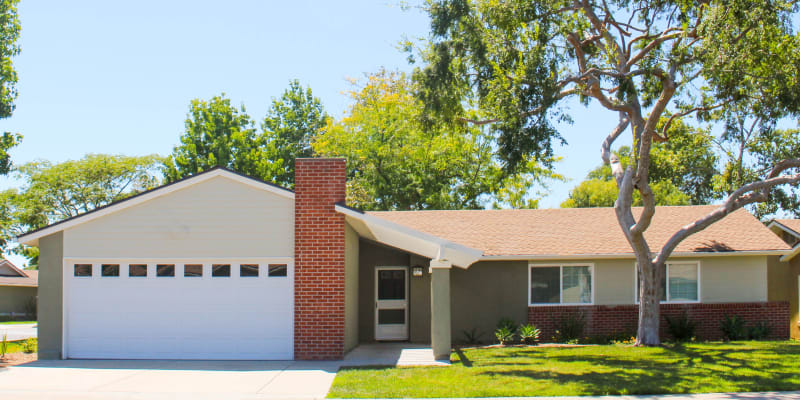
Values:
[(613, 320), (319, 259)]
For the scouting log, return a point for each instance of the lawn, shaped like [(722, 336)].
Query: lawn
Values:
[(17, 322), (590, 370)]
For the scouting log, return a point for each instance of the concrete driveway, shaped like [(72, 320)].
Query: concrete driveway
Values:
[(174, 380), (18, 331)]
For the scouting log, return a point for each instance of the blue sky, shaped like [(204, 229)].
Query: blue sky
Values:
[(117, 77)]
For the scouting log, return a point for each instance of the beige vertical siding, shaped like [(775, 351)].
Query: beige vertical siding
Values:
[(51, 250), (15, 299), (219, 217), (350, 288)]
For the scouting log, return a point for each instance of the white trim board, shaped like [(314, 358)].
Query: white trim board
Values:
[(32, 238)]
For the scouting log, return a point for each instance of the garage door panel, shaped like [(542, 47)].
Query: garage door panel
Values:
[(179, 317)]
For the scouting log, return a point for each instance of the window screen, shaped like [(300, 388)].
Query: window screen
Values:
[(545, 285)]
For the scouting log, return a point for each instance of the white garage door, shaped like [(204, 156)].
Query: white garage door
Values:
[(165, 309)]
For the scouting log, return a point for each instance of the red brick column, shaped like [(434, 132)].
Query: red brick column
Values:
[(604, 321), (319, 259)]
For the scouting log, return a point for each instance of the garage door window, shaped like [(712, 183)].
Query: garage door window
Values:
[(110, 270), (221, 270), (248, 270), (165, 270), (83, 270), (193, 270), (277, 270), (137, 270)]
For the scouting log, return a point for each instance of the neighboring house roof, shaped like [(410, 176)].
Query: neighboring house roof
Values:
[(32, 237), (790, 225), (590, 232), (10, 275)]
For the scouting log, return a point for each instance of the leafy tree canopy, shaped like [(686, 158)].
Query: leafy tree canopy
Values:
[(9, 33), (396, 164), (53, 192), (289, 127)]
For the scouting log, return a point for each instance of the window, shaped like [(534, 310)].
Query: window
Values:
[(680, 283), (193, 270), (109, 270), (248, 270), (277, 270), (137, 270), (221, 270), (83, 270), (561, 284), (165, 270)]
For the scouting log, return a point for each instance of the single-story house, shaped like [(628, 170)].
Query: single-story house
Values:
[(17, 291), (786, 282), (224, 266)]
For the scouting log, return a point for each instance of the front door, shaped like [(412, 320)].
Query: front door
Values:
[(391, 303)]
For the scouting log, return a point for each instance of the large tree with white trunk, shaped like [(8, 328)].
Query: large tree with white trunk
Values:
[(512, 65)]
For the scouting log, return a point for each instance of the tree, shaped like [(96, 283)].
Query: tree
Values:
[(517, 61), (9, 33), (603, 193), (54, 192), (291, 123), (395, 164), (217, 134)]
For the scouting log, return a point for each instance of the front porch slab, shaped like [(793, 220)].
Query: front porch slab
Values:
[(393, 354)]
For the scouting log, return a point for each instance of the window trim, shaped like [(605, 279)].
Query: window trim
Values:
[(561, 283), (666, 277)]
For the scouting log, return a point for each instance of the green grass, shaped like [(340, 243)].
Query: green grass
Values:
[(591, 370), (17, 322)]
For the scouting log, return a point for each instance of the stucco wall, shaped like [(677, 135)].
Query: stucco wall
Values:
[(420, 302), (350, 288), (783, 284), (51, 249), (217, 218), (733, 279), (15, 299)]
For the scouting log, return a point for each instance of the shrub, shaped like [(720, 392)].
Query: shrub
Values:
[(30, 345), (529, 333), (508, 323), (681, 328), (504, 335), (759, 331), (4, 347), (733, 327), (472, 336), (570, 328)]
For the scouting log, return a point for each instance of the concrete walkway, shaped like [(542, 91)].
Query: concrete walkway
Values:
[(18, 331), (175, 380), (393, 354)]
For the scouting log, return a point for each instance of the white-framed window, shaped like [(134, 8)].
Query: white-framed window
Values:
[(681, 283), (559, 284)]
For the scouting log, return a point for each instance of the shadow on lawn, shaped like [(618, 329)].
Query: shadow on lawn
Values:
[(679, 369)]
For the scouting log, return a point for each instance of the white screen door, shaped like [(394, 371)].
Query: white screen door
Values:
[(391, 303)]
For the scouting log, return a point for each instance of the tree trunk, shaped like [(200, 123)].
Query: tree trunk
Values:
[(649, 304)]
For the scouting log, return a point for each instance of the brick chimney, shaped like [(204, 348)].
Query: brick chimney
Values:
[(319, 183)]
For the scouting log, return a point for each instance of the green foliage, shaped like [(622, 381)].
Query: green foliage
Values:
[(395, 163), (53, 192), (4, 346), (30, 345), (9, 32), (289, 127), (529, 334), (570, 328), (217, 134), (759, 331), (733, 327), (681, 328), (504, 335)]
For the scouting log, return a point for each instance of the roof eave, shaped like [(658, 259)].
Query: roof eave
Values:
[(526, 257)]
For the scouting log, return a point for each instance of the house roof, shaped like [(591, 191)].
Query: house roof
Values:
[(590, 232), (792, 225), (32, 237), (25, 278)]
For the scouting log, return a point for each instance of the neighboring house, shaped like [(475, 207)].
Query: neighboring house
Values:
[(17, 291), (787, 283), (223, 266)]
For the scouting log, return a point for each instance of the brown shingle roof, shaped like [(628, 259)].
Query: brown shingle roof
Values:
[(583, 231), (793, 224), (29, 278)]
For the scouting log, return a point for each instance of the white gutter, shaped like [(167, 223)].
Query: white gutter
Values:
[(525, 257), (792, 254)]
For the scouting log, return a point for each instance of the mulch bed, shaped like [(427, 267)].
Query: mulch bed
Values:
[(17, 359)]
